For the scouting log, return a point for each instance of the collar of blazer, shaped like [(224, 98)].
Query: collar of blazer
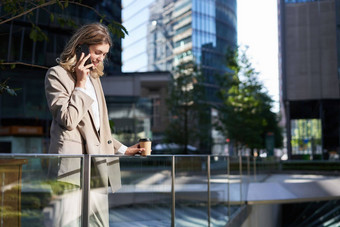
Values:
[(97, 90)]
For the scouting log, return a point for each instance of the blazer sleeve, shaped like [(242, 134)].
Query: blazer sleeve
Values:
[(67, 105), (116, 145)]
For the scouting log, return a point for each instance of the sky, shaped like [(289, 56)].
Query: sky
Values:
[(258, 29)]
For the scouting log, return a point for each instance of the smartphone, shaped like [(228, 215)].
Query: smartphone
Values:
[(83, 48)]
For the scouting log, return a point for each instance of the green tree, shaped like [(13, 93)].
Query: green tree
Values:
[(186, 106), (245, 114), (15, 9)]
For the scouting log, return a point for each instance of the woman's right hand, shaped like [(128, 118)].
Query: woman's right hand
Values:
[(82, 71), (134, 149)]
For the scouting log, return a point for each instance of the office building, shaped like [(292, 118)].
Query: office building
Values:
[(309, 34), (163, 33), (166, 33)]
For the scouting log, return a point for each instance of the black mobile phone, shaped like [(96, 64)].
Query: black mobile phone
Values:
[(83, 48)]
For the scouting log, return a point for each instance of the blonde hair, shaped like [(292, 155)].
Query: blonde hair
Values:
[(90, 34)]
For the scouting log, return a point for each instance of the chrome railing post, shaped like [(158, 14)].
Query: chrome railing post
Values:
[(228, 177), (173, 191), (254, 164), (209, 196), (240, 169), (248, 168), (86, 190)]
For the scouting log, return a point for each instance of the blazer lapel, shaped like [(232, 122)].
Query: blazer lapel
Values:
[(93, 124), (97, 88)]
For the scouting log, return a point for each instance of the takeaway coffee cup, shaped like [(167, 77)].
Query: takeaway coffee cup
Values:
[(145, 143)]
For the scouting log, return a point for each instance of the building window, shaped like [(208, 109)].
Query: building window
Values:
[(306, 136)]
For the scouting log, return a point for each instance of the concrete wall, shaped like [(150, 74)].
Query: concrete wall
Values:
[(264, 216), (310, 47)]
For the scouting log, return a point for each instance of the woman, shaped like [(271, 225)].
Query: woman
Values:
[(80, 120)]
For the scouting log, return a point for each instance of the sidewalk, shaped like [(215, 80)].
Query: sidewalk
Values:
[(268, 188), (288, 188)]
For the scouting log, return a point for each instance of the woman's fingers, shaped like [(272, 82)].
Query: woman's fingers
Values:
[(79, 60), (84, 59), (133, 150)]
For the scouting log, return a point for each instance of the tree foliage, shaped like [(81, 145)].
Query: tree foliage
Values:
[(15, 9), (5, 88), (186, 106), (245, 114)]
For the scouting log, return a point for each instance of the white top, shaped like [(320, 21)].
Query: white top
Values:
[(89, 90)]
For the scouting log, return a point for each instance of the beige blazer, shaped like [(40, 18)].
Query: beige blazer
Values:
[(73, 130)]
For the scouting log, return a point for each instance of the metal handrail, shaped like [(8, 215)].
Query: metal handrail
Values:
[(86, 175)]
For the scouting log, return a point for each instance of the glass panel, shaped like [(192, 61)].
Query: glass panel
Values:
[(223, 205), (32, 196), (245, 178), (191, 191), (144, 198), (265, 167), (235, 180)]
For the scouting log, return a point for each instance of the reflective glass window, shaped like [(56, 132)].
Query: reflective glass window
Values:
[(137, 20), (126, 3), (136, 64), (300, 1), (130, 11), (182, 19), (182, 42), (130, 39), (183, 5), (306, 136), (183, 29), (134, 49)]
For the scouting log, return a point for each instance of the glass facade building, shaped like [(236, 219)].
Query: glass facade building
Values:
[(18, 46), (163, 33)]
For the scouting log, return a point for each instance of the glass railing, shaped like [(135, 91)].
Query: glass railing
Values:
[(31, 194), (158, 190)]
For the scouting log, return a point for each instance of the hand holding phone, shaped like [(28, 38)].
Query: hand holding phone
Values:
[(83, 48), (83, 66)]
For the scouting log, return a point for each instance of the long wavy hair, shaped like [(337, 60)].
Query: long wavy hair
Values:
[(90, 34)]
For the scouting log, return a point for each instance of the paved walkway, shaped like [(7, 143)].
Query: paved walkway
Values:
[(287, 188), (272, 188)]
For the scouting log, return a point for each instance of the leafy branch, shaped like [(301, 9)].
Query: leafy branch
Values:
[(13, 7), (13, 64), (10, 7), (5, 88)]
